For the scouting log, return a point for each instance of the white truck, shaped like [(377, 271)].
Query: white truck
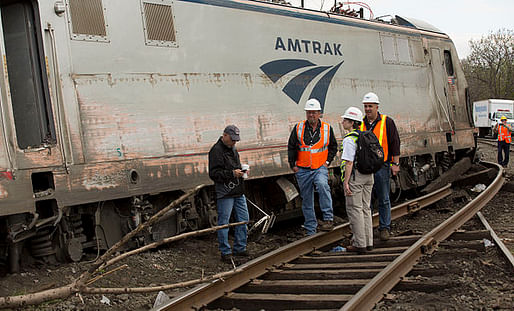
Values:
[(487, 113)]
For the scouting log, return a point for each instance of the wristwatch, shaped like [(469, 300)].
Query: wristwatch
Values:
[(395, 163), (327, 163)]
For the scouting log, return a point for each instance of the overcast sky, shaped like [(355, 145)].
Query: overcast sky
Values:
[(462, 20)]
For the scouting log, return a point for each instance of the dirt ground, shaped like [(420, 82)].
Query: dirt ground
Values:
[(482, 282), (479, 280), (465, 280), (185, 260)]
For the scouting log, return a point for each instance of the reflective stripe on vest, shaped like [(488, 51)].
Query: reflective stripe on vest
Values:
[(504, 134), (316, 155), (379, 131)]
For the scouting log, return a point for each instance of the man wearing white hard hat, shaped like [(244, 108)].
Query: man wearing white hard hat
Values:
[(385, 129), (357, 186), (311, 147)]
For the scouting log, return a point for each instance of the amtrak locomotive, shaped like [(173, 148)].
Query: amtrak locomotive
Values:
[(109, 108)]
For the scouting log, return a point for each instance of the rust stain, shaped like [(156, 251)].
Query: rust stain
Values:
[(353, 83), (102, 177), (185, 79), (41, 157), (188, 169), (6, 76), (202, 168), (248, 79), (217, 79), (265, 81), (99, 182)]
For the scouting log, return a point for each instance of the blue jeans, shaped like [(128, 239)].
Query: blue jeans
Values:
[(225, 206), (307, 179), (503, 148), (381, 189)]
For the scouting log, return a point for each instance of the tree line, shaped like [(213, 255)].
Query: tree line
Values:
[(489, 69)]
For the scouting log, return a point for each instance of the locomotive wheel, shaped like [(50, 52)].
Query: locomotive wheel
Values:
[(213, 218), (395, 189)]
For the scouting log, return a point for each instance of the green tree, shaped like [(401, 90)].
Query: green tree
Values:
[(489, 69)]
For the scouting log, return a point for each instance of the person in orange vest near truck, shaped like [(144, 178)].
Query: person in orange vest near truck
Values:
[(504, 137), (311, 147), (385, 129)]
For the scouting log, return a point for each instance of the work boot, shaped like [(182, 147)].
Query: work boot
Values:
[(384, 234), (241, 254), (226, 258), (355, 249), (326, 225)]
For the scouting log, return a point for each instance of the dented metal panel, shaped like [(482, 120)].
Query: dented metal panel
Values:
[(156, 110), (171, 104)]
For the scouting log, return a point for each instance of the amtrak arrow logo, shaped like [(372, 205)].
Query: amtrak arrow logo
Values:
[(295, 88)]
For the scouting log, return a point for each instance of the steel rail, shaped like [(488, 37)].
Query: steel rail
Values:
[(504, 249), (487, 141), (383, 282), (490, 142), (203, 294)]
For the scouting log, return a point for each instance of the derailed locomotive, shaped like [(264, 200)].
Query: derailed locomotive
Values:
[(109, 108)]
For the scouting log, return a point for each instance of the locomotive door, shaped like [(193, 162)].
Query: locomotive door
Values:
[(439, 81), (28, 85)]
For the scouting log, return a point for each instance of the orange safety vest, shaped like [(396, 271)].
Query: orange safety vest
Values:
[(504, 134), (316, 155), (380, 131)]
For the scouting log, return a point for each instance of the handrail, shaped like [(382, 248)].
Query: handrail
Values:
[(61, 124)]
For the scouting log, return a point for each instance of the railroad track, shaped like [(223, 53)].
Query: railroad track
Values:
[(306, 275), (488, 141), (448, 271)]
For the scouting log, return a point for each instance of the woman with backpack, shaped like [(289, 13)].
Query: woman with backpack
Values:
[(357, 185)]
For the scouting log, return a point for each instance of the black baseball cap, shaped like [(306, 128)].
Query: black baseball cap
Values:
[(233, 131)]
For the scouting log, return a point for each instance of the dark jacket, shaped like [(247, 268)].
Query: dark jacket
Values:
[(310, 137), (222, 162), (393, 138)]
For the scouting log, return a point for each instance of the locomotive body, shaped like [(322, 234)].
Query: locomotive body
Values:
[(109, 108)]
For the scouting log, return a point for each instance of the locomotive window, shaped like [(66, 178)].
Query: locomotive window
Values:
[(388, 49), (87, 20), (403, 50), (448, 62), (158, 23), (418, 57), (27, 74)]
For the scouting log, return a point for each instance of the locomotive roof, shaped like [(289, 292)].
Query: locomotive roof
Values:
[(403, 25), (416, 23)]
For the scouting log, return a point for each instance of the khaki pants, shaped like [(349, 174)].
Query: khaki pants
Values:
[(358, 209)]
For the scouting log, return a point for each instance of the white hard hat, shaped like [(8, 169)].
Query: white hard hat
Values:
[(312, 104), (370, 98), (353, 113)]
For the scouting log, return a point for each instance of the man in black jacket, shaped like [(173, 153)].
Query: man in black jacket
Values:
[(225, 171)]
